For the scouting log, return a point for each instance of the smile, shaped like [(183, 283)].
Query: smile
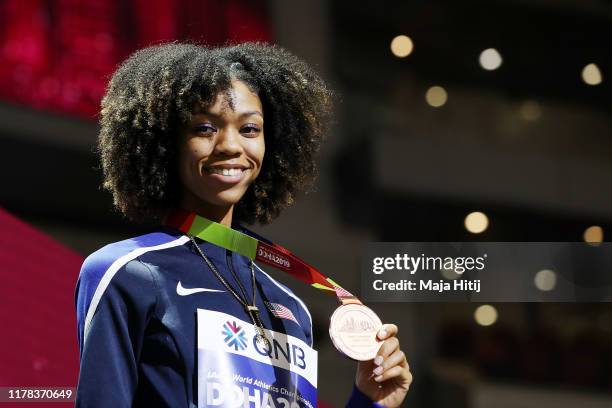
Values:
[(225, 172)]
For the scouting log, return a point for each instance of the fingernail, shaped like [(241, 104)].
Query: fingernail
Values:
[(378, 379), (382, 333), (378, 370), (378, 360)]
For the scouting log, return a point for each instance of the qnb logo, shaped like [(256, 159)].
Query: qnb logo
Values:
[(234, 336), (281, 350)]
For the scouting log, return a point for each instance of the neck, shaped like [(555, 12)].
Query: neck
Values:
[(221, 214)]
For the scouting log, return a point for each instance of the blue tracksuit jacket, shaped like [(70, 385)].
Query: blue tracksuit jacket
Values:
[(136, 318)]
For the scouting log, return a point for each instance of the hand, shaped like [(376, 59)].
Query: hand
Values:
[(385, 379)]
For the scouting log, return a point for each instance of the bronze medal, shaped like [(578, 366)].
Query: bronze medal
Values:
[(353, 328)]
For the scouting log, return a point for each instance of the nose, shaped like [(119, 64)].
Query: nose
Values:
[(228, 142)]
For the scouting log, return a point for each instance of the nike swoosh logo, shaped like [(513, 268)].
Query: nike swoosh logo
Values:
[(181, 291)]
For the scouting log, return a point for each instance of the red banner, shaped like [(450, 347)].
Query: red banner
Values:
[(58, 55)]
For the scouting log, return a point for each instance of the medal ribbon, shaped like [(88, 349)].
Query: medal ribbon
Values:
[(256, 248)]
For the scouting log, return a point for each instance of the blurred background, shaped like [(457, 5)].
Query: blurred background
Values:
[(455, 121)]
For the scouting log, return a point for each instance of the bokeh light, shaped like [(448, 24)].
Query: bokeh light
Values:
[(490, 59), (476, 222), (591, 75), (449, 273), (436, 96), (545, 280), (593, 235), (402, 46), (485, 315)]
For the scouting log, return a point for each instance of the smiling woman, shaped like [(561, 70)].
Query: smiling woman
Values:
[(213, 138)]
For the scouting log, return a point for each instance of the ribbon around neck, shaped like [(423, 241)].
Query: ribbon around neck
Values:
[(256, 248)]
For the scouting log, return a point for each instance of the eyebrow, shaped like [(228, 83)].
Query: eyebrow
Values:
[(242, 115)]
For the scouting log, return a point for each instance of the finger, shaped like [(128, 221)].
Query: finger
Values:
[(386, 349), (386, 331), (396, 358), (393, 372)]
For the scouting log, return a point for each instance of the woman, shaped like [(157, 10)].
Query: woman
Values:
[(182, 131)]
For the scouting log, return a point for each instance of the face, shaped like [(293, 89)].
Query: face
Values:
[(221, 151)]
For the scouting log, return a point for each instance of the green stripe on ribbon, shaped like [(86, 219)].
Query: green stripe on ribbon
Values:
[(224, 237), (334, 283), (319, 286)]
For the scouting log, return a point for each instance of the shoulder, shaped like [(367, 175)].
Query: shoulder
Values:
[(117, 265), (100, 268), (113, 256)]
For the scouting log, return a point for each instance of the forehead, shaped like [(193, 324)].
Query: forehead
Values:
[(238, 98)]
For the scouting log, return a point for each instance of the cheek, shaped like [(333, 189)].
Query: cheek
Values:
[(192, 152), (260, 153), (188, 158), (257, 150)]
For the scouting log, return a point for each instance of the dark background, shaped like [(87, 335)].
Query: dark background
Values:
[(393, 168)]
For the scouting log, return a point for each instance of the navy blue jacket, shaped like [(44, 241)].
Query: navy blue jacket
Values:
[(137, 318)]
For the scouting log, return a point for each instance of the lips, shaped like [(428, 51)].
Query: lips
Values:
[(226, 172)]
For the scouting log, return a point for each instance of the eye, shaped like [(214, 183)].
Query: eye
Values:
[(204, 128), (250, 129)]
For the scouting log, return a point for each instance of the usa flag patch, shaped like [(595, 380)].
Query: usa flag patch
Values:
[(281, 311)]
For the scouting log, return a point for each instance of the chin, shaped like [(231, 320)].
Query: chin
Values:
[(223, 200)]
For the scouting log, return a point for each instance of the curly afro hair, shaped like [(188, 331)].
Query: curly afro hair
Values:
[(154, 93)]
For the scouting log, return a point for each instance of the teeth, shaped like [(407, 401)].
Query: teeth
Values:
[(226, 172)]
